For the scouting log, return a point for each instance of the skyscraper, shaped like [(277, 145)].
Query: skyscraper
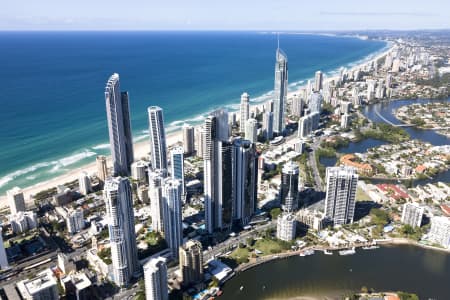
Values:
[(244, 111), (102, 168), (315, 103), (177, 166), (84, 183), (297, 106), (173, 229), (289, 187), (191, 262), (440, 231), (119, 208), (199, 141), (217, 171), (341, 191), (16, 201), (245, 180), (188, 139), (305, 126), (155, 279), (268, 125), (155, 181), (280, 94), (119, 126), (251, 130), (318, 81), (157, 138)]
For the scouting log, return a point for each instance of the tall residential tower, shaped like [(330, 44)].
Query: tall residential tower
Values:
[(119, 127), (281, 84), (157, 138)]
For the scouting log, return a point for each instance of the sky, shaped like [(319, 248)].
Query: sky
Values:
[(318, 15)]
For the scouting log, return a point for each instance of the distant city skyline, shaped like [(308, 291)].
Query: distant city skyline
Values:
[(229, 15)]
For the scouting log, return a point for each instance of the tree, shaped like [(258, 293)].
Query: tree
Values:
[(275, 212)]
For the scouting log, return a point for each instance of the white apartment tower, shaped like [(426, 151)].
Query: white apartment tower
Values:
[(16, 201), (340, 197), (155, 278), (244, 111), (157, 138), (440, 231), (119, 208), (102, 168), (289, 187), (412, 214), (155, 181), (84, 183), (286, 227), (119, 127), (3, 257), (251, 130)]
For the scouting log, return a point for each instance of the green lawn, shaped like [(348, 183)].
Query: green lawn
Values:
[(361, 195), (240, 255), (268, 246)]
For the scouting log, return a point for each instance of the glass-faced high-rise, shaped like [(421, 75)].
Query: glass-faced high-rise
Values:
[(280, 93), (289, 187), (119, 127), (157, 138), (119, 209)]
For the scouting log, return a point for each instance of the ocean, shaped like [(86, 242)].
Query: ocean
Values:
[(52, 115)]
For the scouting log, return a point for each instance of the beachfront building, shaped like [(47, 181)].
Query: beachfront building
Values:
[(267, 126), (440, 231), (119, 208), (191, 262), (155, 279), (217, 172), (16, 201), (119, 127), (280, 91), (155, 181), (139, 171), (177, 166), (318, 80), (244, 112), (304, 126), (286, 227), (251, 130), (188, 139), (245, 177), (157, 138), (340, 196), (84, 183), (289, 187), (102, 168), (172, 217), (412, 214)]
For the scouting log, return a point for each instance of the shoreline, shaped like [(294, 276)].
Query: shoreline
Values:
[(175, 136), (283, 255)]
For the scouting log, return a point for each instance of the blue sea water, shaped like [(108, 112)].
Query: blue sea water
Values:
[(52, 110)]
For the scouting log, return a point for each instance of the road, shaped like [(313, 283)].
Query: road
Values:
[(313, 164)]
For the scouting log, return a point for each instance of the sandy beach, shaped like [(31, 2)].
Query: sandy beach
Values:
[(141, 149)]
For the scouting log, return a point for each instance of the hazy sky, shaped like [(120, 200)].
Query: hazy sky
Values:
[(223, 15)]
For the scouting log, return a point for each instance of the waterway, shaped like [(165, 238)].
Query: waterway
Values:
[(400, 268), (406, 268), (386, 109)]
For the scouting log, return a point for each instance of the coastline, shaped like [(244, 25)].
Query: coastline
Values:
[(175, 136)]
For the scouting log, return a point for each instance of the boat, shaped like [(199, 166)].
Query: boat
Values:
[(348, 251), (327, 252), (306, 253), (241, 288), (371, 247)]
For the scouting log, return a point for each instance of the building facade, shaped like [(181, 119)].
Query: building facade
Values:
[(340, 195), (119, 127), (289, 187), (155, 279), (188, 139), (251, 130), (16, 201), (157, 138), (286, 227), (191, 262), (244, 112), (412, 214), (280, 91), (119, 208)]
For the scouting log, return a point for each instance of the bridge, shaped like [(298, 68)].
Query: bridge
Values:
[(389, 122)]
